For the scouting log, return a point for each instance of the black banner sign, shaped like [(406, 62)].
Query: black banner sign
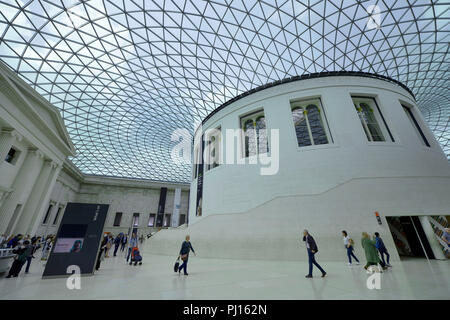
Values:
[(161, 206), (78, 240)]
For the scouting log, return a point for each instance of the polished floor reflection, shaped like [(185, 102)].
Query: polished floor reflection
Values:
[(233, 279)]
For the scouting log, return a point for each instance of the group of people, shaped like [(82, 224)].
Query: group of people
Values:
[(373, 249), (25, 247), (120, 242)]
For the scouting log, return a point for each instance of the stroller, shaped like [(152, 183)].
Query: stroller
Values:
[(136, 256)]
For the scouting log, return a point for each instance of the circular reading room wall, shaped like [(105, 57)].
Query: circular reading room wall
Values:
[(322, 152)]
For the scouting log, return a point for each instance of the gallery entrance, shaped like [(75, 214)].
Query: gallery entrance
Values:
[(409, 237)]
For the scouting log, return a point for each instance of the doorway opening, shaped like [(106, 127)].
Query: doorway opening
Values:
[(409, 237)]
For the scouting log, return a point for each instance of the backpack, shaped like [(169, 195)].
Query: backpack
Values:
[(351, 242), (22, 257)]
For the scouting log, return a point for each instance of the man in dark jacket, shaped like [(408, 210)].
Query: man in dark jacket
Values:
[(34, 246), (117, 242), (312, 249), (379, 244), (124, 242), (22, 253)]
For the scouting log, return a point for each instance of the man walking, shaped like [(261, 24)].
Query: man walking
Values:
[(117, 241), (34, 247), (124, 242), (379, 244), (312, 249)]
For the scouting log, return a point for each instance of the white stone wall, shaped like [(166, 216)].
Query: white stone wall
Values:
[(315, 169), (326, 188), (9, 171), (32, 126), (129, 200), (66, 190)]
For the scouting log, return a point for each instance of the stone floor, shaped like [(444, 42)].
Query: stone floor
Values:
[(233, 279)]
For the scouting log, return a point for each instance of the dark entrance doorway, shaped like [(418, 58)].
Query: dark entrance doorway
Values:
[(409, 237)]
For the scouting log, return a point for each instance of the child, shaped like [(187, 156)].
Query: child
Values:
[(136, 256)]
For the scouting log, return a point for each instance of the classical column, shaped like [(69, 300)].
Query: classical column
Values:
[(45, 198), (55, 206), (7, 139), (22, 187), (34, 199)]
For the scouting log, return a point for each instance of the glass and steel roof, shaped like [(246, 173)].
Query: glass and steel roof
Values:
[(126, 74)]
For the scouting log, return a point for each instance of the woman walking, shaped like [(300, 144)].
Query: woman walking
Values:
[(186, 247), (348, 243), (371, 252), (109, 245)]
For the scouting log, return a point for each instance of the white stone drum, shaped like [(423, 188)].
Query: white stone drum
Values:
[(348, 146)]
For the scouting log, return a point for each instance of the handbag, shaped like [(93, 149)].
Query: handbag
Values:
[(177, 265), (184, 257)]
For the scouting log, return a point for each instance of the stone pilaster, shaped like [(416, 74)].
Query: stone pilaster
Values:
[(45, 198), (34, 199), (22, 187)]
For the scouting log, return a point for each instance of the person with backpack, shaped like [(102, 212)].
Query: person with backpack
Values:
[(382, 249), (312, 249), (22, 252), (349, 246), (186, 247)]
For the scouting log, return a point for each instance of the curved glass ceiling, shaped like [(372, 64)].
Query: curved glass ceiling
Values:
[(126, 74)]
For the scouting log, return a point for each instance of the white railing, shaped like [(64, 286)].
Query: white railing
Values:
[(6, 253)]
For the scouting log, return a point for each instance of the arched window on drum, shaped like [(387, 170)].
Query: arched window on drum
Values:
[(255, 136), (372, 120), (261, 135), (310, 123)]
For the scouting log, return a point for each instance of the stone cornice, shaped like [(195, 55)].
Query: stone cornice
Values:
[(14, 133), (60, 138), (70, 169)]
